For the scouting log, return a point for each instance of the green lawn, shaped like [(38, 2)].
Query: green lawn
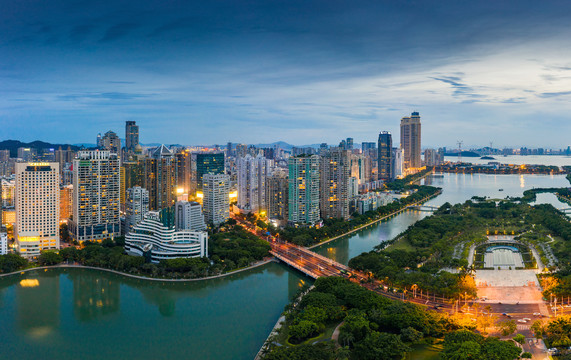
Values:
[(401, 244), (425, 352)]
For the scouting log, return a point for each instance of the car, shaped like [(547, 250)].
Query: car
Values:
[(527, 319), (521, 321), (537, 314), (504, 314)]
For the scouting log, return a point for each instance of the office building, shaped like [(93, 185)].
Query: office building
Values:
[(136, 207), (410, 140), (277, 192), (349, 143), (156, 238), (252, 173), (385, 157), (159, 178), (189, 216), (27, 154), (207, 163), (8, 192), (37, 208), (95, 196), (334, 174), (4, 155), (366, 146), (303, 197), (183, 174), (216, 200), (131, 136)]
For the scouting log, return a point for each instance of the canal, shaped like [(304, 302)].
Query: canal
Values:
[(79, 313)]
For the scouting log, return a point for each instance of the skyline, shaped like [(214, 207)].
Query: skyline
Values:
[(291, 71)]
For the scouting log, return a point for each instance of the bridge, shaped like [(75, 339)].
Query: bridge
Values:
[(565, 210), (423, 208), (315, 266)]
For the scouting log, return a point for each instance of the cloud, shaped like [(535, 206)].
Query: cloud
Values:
[(102, 96), (460, 89), (554, 94)]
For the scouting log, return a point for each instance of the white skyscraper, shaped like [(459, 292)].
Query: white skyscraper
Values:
[(188, 216), (216, 201), (95, 196), (252, 174), (3, 243), (136, 206), (37, 208)]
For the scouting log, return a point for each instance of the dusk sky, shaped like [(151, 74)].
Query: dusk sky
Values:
[(209, 72)]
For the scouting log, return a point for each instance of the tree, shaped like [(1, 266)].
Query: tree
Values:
[(302, 330), (526, 355), (379, 346), (538, 329), (12, 262), (519, 338), (507, 327), (464, 350), (48, 258), (410, 334)]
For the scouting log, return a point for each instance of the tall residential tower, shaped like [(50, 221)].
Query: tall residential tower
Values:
[(410, 140), (385, 154)]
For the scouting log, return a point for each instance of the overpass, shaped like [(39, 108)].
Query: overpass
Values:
[(423, 208)]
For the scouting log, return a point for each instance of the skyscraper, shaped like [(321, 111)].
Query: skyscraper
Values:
[(136, 206), (131, 135), (334, 173), (303, 189), (206, 163), (385, 154), (366, 146), (37, 208), (95, 196), (183, 173), (277, 191), (410, 132), (160, 178), (252, 173), (216, 201)]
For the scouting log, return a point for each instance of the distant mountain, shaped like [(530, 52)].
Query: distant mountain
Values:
[(285, 146), (13, 146)]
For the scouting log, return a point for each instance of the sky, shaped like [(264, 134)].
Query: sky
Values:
[(300, 71)]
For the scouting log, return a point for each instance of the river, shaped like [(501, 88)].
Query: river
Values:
[(79, 313)]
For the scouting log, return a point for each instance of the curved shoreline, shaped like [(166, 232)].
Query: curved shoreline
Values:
[(138, 277)]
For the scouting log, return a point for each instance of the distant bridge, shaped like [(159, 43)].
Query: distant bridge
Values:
[(565, 210), (423, 208)]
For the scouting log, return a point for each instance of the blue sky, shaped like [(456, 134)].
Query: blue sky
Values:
[(304, 72)]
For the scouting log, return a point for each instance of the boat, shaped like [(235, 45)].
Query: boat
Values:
[(501, 190)]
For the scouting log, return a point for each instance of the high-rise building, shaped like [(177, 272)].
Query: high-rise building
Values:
[(159, 178), (385, 156), (189, 216), (110, 141), (136, 206), (183, 173), (37, 208), (277, 191), (4, 155), (349, 143), (366, 146), (334, 171), (8, 193), (207, 163), (241, 150), (131, 136), (27, 154), (252, 173), (216, 200), (303, 189), (410, 131), (95, 196), (432, 157), (65, 202), (397, 166)]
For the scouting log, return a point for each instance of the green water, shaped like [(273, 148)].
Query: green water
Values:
[(87, 314)]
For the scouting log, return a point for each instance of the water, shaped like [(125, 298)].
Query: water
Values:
[(79, 313), (556, 160)]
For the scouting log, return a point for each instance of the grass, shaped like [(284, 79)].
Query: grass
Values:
[(401, 244), (425, 352), (283, 335)]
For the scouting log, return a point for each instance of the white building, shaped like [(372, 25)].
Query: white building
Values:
[(371, 201), (252, 174), (136, 206), (189, 216), (216, 201), (3, 244), (95, 196), (156, 237), (37, 208), (398, 163)]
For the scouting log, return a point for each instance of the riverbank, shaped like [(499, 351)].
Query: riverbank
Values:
[(138, 277), (377, 220)]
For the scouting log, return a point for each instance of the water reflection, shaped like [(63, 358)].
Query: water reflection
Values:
[(38, 307), (94, 296)]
